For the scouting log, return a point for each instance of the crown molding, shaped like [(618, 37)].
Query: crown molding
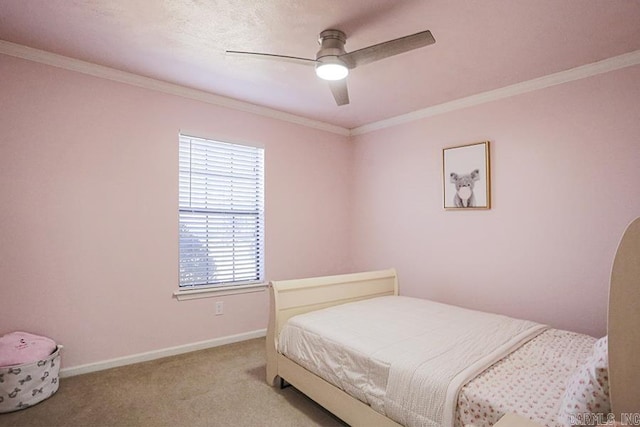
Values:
[(577, 73), (581, 72), (60, 61)]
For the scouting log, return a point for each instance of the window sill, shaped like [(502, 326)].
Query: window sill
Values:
[(189, 294)]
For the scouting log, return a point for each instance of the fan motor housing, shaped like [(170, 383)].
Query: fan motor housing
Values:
[(331, 43)]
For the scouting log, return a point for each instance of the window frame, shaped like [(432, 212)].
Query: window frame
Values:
[(236, 211)]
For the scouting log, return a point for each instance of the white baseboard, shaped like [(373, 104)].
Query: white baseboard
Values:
[(157, 354)]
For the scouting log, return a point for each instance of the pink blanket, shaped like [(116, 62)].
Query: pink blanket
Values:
[(18, 348)]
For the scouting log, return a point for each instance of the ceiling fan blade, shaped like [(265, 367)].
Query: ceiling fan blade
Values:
[(384, 50), (294, 59), (339, 91)]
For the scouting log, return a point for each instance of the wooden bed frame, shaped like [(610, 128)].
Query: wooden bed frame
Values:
[(623, 325), (293, 297)]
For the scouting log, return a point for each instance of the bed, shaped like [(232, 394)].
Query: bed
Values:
[(508, 365)]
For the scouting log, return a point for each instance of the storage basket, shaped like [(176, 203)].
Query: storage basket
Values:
[(25, 385)]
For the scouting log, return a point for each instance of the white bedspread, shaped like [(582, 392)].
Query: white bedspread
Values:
[(405, 357)]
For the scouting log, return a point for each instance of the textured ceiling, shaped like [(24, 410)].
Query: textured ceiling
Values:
[(480, 45)]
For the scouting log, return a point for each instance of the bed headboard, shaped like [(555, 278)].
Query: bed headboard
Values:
[(624, 324), (293, 297)]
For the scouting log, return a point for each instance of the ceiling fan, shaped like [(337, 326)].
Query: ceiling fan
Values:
[(333, 63)]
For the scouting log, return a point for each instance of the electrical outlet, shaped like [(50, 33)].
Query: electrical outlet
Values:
[(219, 308)]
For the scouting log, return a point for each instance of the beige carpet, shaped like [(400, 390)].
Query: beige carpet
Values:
[(222, 386)]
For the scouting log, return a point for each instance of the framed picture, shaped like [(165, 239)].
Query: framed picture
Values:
[(466, 176)]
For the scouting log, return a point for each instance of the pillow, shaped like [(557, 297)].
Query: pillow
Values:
[(587, 390)]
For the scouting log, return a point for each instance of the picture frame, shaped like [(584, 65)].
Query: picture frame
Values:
[(466, 177)]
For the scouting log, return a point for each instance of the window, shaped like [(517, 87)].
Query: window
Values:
[(221, 210)]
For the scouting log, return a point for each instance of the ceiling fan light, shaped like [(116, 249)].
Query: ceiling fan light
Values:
[(332, 70)]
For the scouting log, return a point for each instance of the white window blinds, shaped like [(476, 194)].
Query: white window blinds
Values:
[(221, 210)]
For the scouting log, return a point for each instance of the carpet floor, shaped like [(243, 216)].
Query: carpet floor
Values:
[(221, 386)]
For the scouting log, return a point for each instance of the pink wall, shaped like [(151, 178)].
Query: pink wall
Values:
[(88, 216), (89, 198), (565, 174)]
